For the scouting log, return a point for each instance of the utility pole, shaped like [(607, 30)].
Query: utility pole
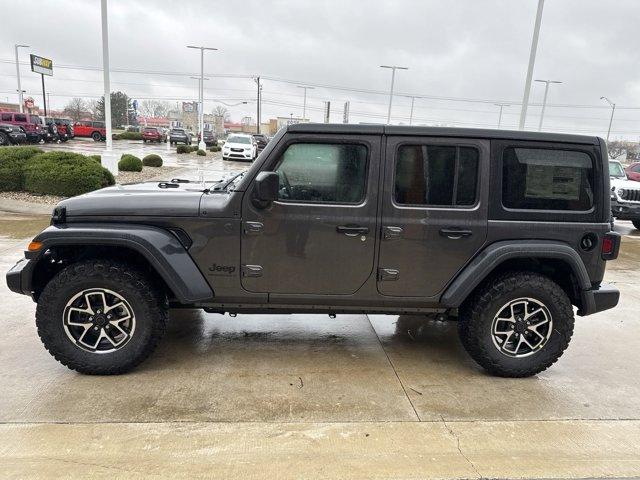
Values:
[(20, 92), (201, 145), (304, 102), (259, 99), (200, 99), (393, 79), (501, 105), (544, 101), (613, 110), (108, 158), (532, 61), (413, 99)]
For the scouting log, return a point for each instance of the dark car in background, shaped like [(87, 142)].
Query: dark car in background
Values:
[(261, 141), (65, 128), (210, 138), (52, 133), (154, 134), (31, 125), (11, 135), (179, 135)]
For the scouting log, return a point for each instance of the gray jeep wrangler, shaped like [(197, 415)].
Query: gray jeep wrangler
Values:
[(505, 232)]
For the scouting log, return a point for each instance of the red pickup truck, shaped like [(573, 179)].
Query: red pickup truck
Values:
[(90, 129)]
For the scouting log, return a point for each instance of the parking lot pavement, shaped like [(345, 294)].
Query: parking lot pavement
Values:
[(307, 396)]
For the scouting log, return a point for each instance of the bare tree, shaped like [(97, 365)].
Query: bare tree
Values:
[(153, 108), (76, 109), (222, 112), (92, 107)]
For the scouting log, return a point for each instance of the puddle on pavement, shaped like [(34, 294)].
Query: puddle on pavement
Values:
[(18, 226)]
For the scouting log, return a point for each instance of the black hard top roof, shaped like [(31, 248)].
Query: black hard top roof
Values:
[(440, 132)]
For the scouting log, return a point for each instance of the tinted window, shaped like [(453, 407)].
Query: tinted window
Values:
[(19, 117), (436, 175), (636, 168), (98, 124), (545, 179), (323, 173), (616, 170), (7, 117)]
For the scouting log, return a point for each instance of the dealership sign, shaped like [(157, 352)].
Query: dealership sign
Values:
[(41, 65)]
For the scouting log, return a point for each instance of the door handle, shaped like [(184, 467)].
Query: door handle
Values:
[(352, 230), (455, 233)]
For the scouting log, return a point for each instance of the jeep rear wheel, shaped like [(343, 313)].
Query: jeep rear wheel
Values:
[(517, 325), (100, 317), (96, 136)]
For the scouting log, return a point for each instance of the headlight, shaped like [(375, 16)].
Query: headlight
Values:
[(621, 192)]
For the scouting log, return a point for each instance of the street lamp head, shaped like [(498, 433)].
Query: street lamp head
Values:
[(201, 48), (22, 46), (394, 67), (607, 100)]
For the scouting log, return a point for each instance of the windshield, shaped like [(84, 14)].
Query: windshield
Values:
[(177, 130), (238, 139), (616, 170)]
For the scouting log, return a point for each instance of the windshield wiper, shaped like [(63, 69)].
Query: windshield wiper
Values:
[(225, 183)]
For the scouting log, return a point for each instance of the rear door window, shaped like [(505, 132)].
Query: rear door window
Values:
[(19, 117), (7, 117), (436, 175), (547, 179)]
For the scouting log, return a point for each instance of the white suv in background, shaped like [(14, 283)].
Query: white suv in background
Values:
[(625, 195), (240, 147)]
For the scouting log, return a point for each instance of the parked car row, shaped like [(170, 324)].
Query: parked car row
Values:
[(36, 128), (154, 134)]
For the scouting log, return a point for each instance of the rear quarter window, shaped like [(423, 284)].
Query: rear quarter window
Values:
[(547, 179)]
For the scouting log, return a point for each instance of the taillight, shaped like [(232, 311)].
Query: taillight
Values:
[(610, 246)]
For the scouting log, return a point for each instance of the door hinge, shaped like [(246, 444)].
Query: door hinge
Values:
[(253, 228), (388, 274), (391, 233), (251, 271)]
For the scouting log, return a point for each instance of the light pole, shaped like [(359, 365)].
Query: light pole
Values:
[(544, 101), (201, 145), (259, 103), (501, 105), (413, 99), (304, 102), (393, 79), (108, 159), (200, 97), (613, 110), (20, 98), (532, 61)]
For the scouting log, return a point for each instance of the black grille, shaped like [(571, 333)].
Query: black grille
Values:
[(631, 195), (237, 149)]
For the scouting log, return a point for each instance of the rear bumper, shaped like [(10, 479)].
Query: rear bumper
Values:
[(19, 277), (599, 299)]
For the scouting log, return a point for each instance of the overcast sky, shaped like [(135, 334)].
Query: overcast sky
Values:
[(470, 53)]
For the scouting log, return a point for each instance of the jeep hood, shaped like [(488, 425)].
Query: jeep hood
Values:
[(139, 199), (624, 183)]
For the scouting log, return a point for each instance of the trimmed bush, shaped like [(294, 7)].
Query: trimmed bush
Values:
[(130, 163), (12, 162), (152, 160), (127, 136), (214, 148), (97, 158), (65, 174), (202, 153)]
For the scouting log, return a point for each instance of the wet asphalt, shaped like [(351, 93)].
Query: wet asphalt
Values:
[(308, 396)]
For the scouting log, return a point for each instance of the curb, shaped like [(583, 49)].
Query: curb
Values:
[(19, 206)]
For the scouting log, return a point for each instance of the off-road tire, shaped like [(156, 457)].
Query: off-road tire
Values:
[(145, 298), (96, 136), (477, 313), (4, 139), (636, 223)]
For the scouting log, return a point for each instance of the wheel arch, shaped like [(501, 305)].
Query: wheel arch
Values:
[(558, 261), (155, 250)]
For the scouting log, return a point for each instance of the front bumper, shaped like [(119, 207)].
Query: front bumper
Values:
[(599, 299), (246, 155), (18, 137), (625, 210), (19, 277)]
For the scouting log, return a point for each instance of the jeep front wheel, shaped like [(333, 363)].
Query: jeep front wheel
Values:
[(517, 325), (100, 317), (96, 136), (636, 223)]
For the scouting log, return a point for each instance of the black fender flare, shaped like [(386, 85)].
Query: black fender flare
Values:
[(158, 246), (495, 254)]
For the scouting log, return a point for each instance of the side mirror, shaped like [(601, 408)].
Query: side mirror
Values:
[(267, 185)]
